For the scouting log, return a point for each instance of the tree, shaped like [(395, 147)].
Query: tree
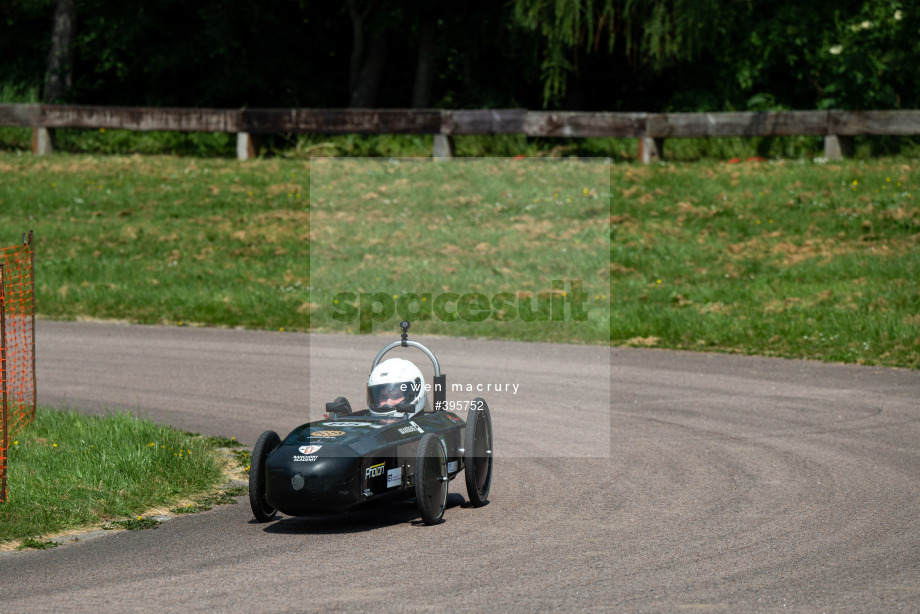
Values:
[(651, 35), (368, 55), (869, 58), (425, 66), (59, 75)]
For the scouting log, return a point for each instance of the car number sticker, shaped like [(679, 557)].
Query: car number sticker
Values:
[(327, 433), (394, 477)]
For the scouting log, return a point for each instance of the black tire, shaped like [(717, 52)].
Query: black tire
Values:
[(267, 443), (477, 454), (431, 479)]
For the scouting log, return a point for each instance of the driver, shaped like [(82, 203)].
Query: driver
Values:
[(396, 387)]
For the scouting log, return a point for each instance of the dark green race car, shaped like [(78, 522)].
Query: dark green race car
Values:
[(353, 459)]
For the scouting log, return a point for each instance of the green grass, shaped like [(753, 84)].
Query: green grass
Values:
[(68, 471), (160, 240), (786, 258), (36, 544), (391, 240), (134, 524)]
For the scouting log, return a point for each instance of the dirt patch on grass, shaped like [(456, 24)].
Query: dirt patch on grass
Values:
[(642, 342), (717, 308), (791, 253), (289, 187)]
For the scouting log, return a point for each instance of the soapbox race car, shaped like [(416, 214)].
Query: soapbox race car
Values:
[(353, 459)]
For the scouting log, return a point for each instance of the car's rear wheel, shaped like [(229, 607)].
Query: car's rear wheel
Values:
[(431, 479), (477, 453), (267, 443)]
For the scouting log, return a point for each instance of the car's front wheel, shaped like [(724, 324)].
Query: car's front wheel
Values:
[(431, 479), (477, 453), (267, 443)]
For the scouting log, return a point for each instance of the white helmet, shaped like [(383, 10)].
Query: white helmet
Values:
[(395, 386)]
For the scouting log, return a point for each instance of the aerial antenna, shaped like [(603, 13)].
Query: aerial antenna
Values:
[(404, 325)]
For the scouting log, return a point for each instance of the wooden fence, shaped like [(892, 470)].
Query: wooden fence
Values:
[(651, 129)]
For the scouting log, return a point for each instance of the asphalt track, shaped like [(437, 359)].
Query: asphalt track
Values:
[(726, 483)]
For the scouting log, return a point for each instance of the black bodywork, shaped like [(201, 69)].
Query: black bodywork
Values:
[(353, 459), (360, 459)]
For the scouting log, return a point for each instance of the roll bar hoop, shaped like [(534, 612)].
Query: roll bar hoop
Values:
[(440, 379)]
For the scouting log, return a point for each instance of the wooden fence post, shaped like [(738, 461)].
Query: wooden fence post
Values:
[(247, 146), (42, 143), (650, 149), (443, 147), (837, 147)]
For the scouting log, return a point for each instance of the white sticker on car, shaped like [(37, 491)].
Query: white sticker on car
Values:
[(341, 424), (309, 449), (452, 466), (412, 428), (394, 477)]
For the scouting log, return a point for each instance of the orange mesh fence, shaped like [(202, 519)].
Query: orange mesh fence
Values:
[(4, 422), (18, 344)]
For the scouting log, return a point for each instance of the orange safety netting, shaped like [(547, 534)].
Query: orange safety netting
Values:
[(17, 345), (4, 415)]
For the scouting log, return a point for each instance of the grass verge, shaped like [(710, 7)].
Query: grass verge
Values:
[(787, 259), (801, 258), (69, 471), (509, 242)]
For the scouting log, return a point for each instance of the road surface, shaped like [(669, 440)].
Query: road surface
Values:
[(702, 482)]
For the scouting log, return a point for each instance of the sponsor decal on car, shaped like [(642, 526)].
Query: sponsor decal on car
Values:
[(454, 418), (412, 428), (394, 477), (309, 449), (327, 433), (374, 471), (304, 459), (345, 424)]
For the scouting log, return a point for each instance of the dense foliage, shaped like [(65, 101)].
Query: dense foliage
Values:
[(617, 55)]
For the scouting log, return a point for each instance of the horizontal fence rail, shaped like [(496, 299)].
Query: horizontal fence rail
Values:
[(650, 128)]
